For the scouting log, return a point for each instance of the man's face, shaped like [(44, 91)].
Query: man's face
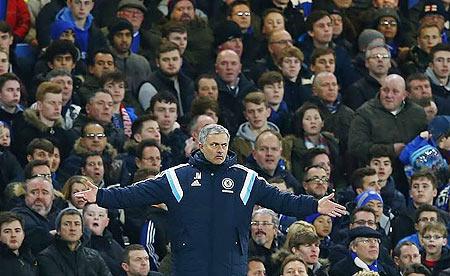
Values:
[(322, 30), (50, 107), (183, 11), (367, 249), (66, 84), (170, 63), (80, 8), (441, 63), (364, 218), (62, 61), (228, 66), (180, 39), (215, 148), (100, 108), (392, 94), (133, 15), (55, 160), (267, 152), (234, 44), (10, 93), (382, 166), (263, 230), (377, 207), (428, 38), (96, 219), (274, 92), (385, 3), (290, 67), (12, 235), (409, 254), (256, 115), (40, 154), (379, 61), (151, 159), (166, 115), (94, 139), (150, 130), (387, 25), (326, 88), (422, 191), (274, 21), (425, 217), (316, 183), (94, 168), (370, 183), (419, 89), (104, 63), (433, 242), (324, 161), (208, 88), (256, 268), (241, 14), (39, 195), (279, 40), (338, 25), (42, 171), (71, 228), (343, 4), (138, 264), (4, 63), (325, 63), (6, 41), (309, 253), (122, 41)]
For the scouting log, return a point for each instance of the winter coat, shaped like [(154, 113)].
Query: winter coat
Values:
[(416, 61), (210, 209), (361, 91), (18, 17), (374, 125), (10, 170), (58, 259), (23, 264), (347, 267), (109, 249), (175, 141)]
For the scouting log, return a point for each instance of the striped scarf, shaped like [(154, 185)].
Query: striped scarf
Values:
[(126, 120)]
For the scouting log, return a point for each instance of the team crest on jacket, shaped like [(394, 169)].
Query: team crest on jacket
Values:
[(227, 184)]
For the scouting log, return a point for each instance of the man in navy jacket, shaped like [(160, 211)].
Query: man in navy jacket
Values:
[(210, 202)]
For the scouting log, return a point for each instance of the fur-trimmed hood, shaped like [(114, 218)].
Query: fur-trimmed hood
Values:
[(80, 150), (31, 116)]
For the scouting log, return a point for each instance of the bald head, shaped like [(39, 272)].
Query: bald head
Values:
[(392, 92), (278, 40), (228, 66), (325, 87)]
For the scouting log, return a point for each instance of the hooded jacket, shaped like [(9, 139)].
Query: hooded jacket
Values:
[(210, 209), (441, 93)]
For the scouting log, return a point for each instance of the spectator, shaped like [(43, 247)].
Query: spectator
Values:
[(323, 225), (434, 239), (418, 87), (72, 186), (315, 182), (419, 269), (68, 253), (148, 155), (438, 74), (196, 124), (255, 267), (10, 94), (206, 86), (135, 261), (306, 245), (405, 254), (294, 264)]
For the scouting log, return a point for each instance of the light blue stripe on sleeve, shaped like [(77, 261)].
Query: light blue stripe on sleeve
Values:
[(248, 185), (174, 184)]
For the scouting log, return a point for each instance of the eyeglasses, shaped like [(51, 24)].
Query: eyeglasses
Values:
[(243, 13), (262, 223), (392, 23), (362, 222), (379, 56), (95, 135), (317, 180), (284, 41), (132, 13), (369, 241), (44, 175), (434, 237)]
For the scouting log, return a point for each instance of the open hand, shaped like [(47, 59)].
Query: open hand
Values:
[(330, 208), (89, 195)]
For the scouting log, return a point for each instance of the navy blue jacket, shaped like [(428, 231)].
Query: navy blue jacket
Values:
[(210, 209)]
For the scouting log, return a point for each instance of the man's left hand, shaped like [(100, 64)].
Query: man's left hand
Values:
[(330, 208)]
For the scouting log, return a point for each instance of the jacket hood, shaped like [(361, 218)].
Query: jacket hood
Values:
[(31, 117), (245, 131), (80, 150), (66, 15), (429, 72), (197, 159)]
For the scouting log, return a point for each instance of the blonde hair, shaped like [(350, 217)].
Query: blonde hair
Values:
[(67, 189), (296, 227)]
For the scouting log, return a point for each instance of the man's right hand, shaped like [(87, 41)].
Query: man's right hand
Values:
[(90, 195)]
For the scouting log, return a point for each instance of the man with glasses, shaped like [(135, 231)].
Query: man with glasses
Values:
[(363, 255), (315, 181)]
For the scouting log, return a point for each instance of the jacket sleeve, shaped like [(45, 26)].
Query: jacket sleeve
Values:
[(147, 192), (102, 268), (283, 203), (410, 148), (48, 266)]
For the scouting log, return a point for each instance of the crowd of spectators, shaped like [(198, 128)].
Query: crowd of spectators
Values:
[(320, 97)]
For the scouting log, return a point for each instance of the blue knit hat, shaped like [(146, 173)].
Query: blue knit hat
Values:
[(60, 26), (364, 198)]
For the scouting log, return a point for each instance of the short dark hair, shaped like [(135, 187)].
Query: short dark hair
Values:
[(163, 97), (67, 212), (307, 169), (172, 27), (8, 217), (137, 125), (8, 77), (237, 3), (426, 208), (61, 47), (311, 153), (28, 170), (314, 17), (144, 173), (424, 173), (128, 249), (270, 77), (268, 11), (200, 105), (89, 123), (5, 27), (85, 157), (146, 144), (40, 143), (413, 77), (439, 47), (115, 76), (398, 248), (298, 117), (318, 52), (105, 51), (203, 76), (359, 174), (361, 209), (379, 151), (416, 268)]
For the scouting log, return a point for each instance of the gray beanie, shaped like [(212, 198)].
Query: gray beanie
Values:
[(68, 210), (367, 36)]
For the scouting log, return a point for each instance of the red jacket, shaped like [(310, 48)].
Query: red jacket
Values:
[(18, 17)]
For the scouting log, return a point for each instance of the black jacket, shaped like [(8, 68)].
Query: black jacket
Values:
[(361, 91), (57, 259), (11, 264), (109, 249)]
